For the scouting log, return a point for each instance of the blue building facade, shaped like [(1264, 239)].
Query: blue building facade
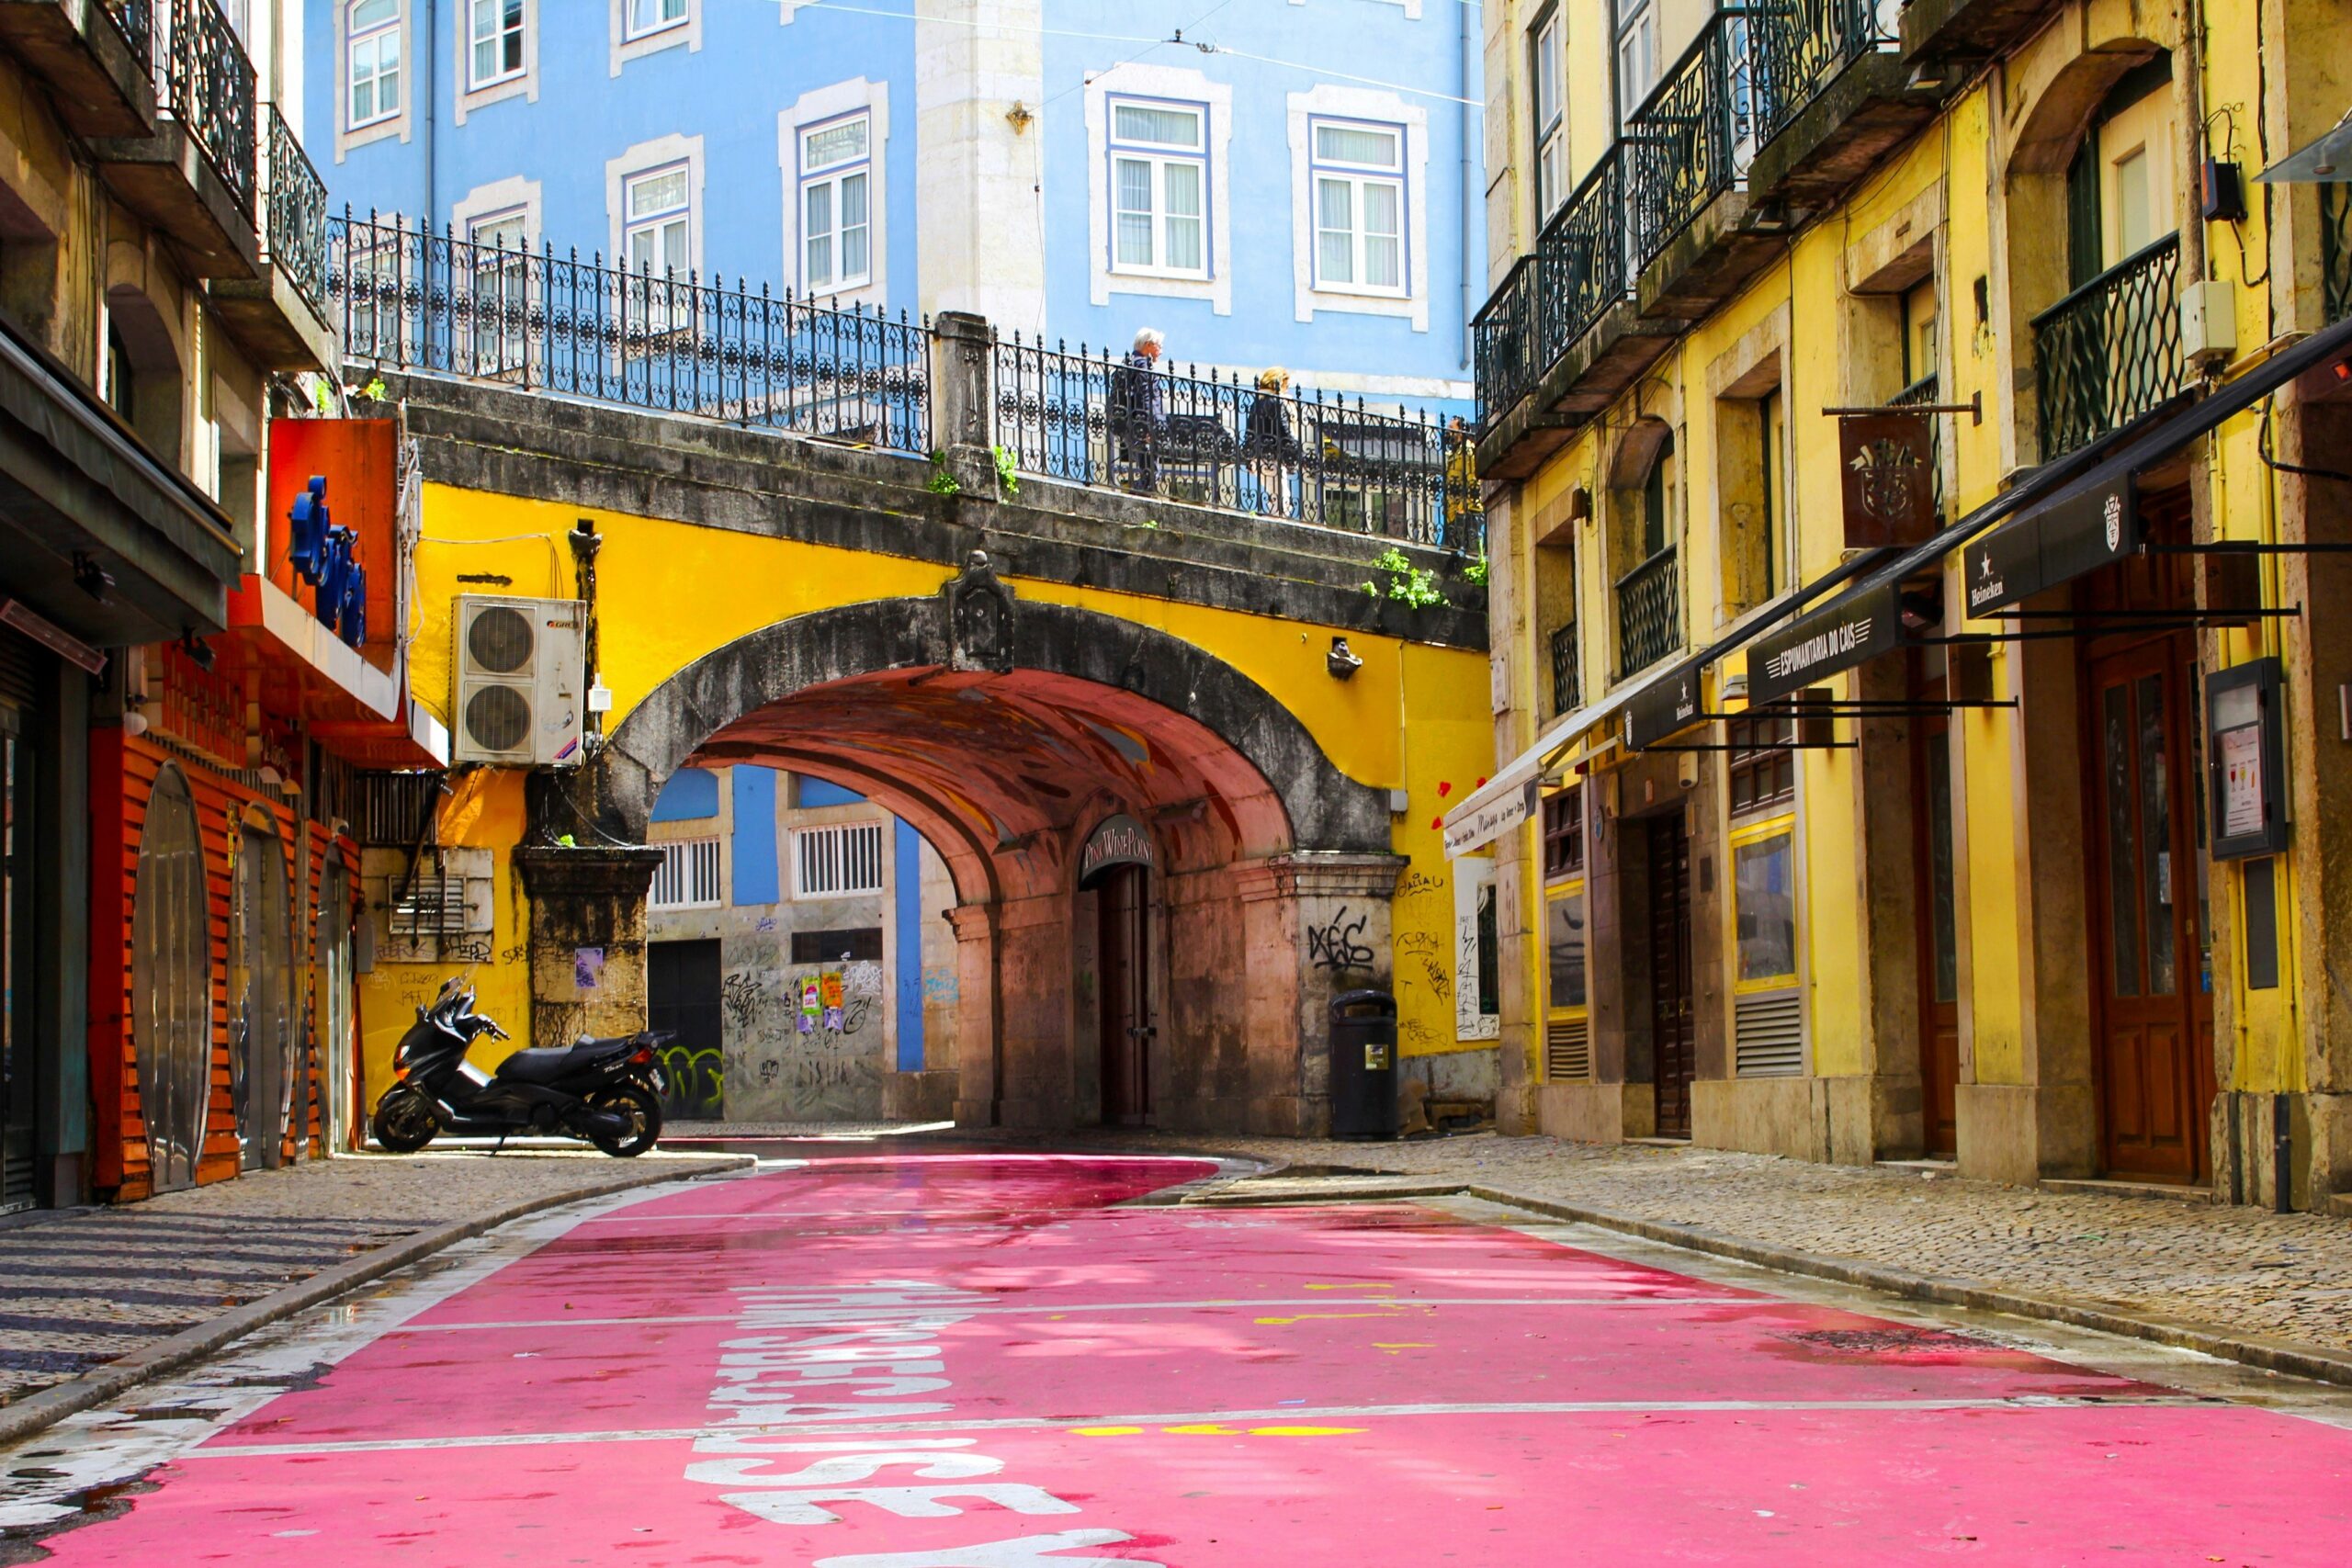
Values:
[(1297, 182)]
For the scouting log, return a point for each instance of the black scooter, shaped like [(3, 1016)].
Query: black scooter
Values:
[(607, 1091)]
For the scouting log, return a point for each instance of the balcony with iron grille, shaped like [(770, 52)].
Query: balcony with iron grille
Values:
[(1567, 678), (93, 56), (280, 316), (1942, 34), (1792, 101), (2108, 352), (1649, 614), (2335, 249), (195, 177)]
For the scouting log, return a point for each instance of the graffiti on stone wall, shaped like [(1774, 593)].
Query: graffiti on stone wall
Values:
[(1335, 944), (697, 1076), (743, 999)]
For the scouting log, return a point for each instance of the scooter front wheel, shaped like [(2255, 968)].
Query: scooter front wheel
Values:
[(403, 1121), (635, 1104)]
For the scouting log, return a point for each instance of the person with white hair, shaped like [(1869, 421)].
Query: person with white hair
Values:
[(1138, 407)]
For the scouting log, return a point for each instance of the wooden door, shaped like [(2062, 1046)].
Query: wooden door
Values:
[(2154, 1032), (1123, 906), (1938, 924), (1673, 1033), (682, 999)]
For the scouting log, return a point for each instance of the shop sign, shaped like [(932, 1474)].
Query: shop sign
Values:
[(1666, 708), (1478, 823), (1835, 638), (1119, 840), (2003, 567), (2052, 544), (1886, 470)]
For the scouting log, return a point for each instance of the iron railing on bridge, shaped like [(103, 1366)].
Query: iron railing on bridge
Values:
[(295, 199), (204, 81), (1649, 614), (2108, 352), (1089, 418), (1568, 684), (405, 298)]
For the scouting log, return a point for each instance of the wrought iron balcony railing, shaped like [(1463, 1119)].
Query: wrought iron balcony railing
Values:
[(1694, 136), (1089, 418), (295, 234), (408, 298), (1805, 45), (135, 20), (1649, 612), (1568, 684), (1580, 268), (2111, 351), (1510, 353), (204, 82), (2335, 249)]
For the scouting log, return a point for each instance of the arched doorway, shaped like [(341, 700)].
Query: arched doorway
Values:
[(261, 996), (171, 984), (1115, 868)]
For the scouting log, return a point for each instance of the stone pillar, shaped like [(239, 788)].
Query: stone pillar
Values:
[(977, 1051), (963, 402), (587, 940), (1036, 1085), (1331, 911)]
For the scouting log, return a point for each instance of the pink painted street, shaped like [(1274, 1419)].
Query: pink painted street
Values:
[(933, 1361)]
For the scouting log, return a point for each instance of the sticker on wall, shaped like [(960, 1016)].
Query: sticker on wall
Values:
[(830, 996), (587, 968)]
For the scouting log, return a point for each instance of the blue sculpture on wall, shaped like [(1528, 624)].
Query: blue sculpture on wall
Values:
[(322, 553)]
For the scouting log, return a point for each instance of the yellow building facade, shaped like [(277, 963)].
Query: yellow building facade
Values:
[(1997, 830)]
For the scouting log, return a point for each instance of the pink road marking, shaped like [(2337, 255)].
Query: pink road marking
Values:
[(1482, 1317)]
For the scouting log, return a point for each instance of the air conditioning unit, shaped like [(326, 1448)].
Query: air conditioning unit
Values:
[(518, 681)]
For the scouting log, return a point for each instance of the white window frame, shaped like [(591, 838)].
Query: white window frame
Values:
[(659, 224), (812, 111), (1328, 103), (1634, 28), (502, 31), (827, 858), (635, 163), (1161, 86), (394, 33), (629, 43), (523, 82), (632, 32), (691, 875), (1548, 65), (1359, 179), (834, 179), (1161, 158)]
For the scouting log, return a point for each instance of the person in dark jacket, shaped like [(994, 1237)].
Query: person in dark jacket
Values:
[(1268, 446), (1138, 407)]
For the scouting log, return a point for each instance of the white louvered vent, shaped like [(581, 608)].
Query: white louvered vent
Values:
[(1767, 1030), (1567, 1050)]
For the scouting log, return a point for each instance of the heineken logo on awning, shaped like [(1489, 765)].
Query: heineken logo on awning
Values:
[(1658, 711), (2052, 544)]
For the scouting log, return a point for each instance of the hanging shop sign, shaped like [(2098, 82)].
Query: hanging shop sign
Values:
[(1483, 821), (2077, 533), (1668, 708), (2243, 759), (1120, 840), (1886, 469), (1837, 637)]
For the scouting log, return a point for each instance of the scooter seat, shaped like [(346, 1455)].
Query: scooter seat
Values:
[(545, 1063)]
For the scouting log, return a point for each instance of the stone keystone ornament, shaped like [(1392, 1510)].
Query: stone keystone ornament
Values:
[(979, 618)]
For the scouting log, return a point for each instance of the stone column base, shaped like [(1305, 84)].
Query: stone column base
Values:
[(2021, 1133)]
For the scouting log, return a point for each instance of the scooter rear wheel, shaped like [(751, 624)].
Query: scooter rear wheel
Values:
[(644, 1115), (403, 1121)]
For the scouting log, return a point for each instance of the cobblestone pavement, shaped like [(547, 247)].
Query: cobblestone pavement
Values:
[(2242, 1271), (82, 1287)]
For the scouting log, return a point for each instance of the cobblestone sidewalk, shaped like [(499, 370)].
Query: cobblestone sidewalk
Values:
[(83, 1287), (2240, 1270)]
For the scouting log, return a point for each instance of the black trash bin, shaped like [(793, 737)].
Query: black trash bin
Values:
[(1364, 1065)]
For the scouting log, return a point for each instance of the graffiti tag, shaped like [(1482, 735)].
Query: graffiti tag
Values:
[(1334, 945), (741, 995)]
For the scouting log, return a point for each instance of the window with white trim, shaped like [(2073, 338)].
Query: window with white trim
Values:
[(653, 16), (1359, 169), (836, 205), (655, 223), (837, 860), (501, 259), (373, 62), (1551, 118), (1159, 187), (497, 37), (1637, 54), (688, 877)]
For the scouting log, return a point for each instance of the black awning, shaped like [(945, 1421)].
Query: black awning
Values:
[(73, 480)]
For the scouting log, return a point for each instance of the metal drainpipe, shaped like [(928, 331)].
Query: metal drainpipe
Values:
[(1471, 194), (430, 109)]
